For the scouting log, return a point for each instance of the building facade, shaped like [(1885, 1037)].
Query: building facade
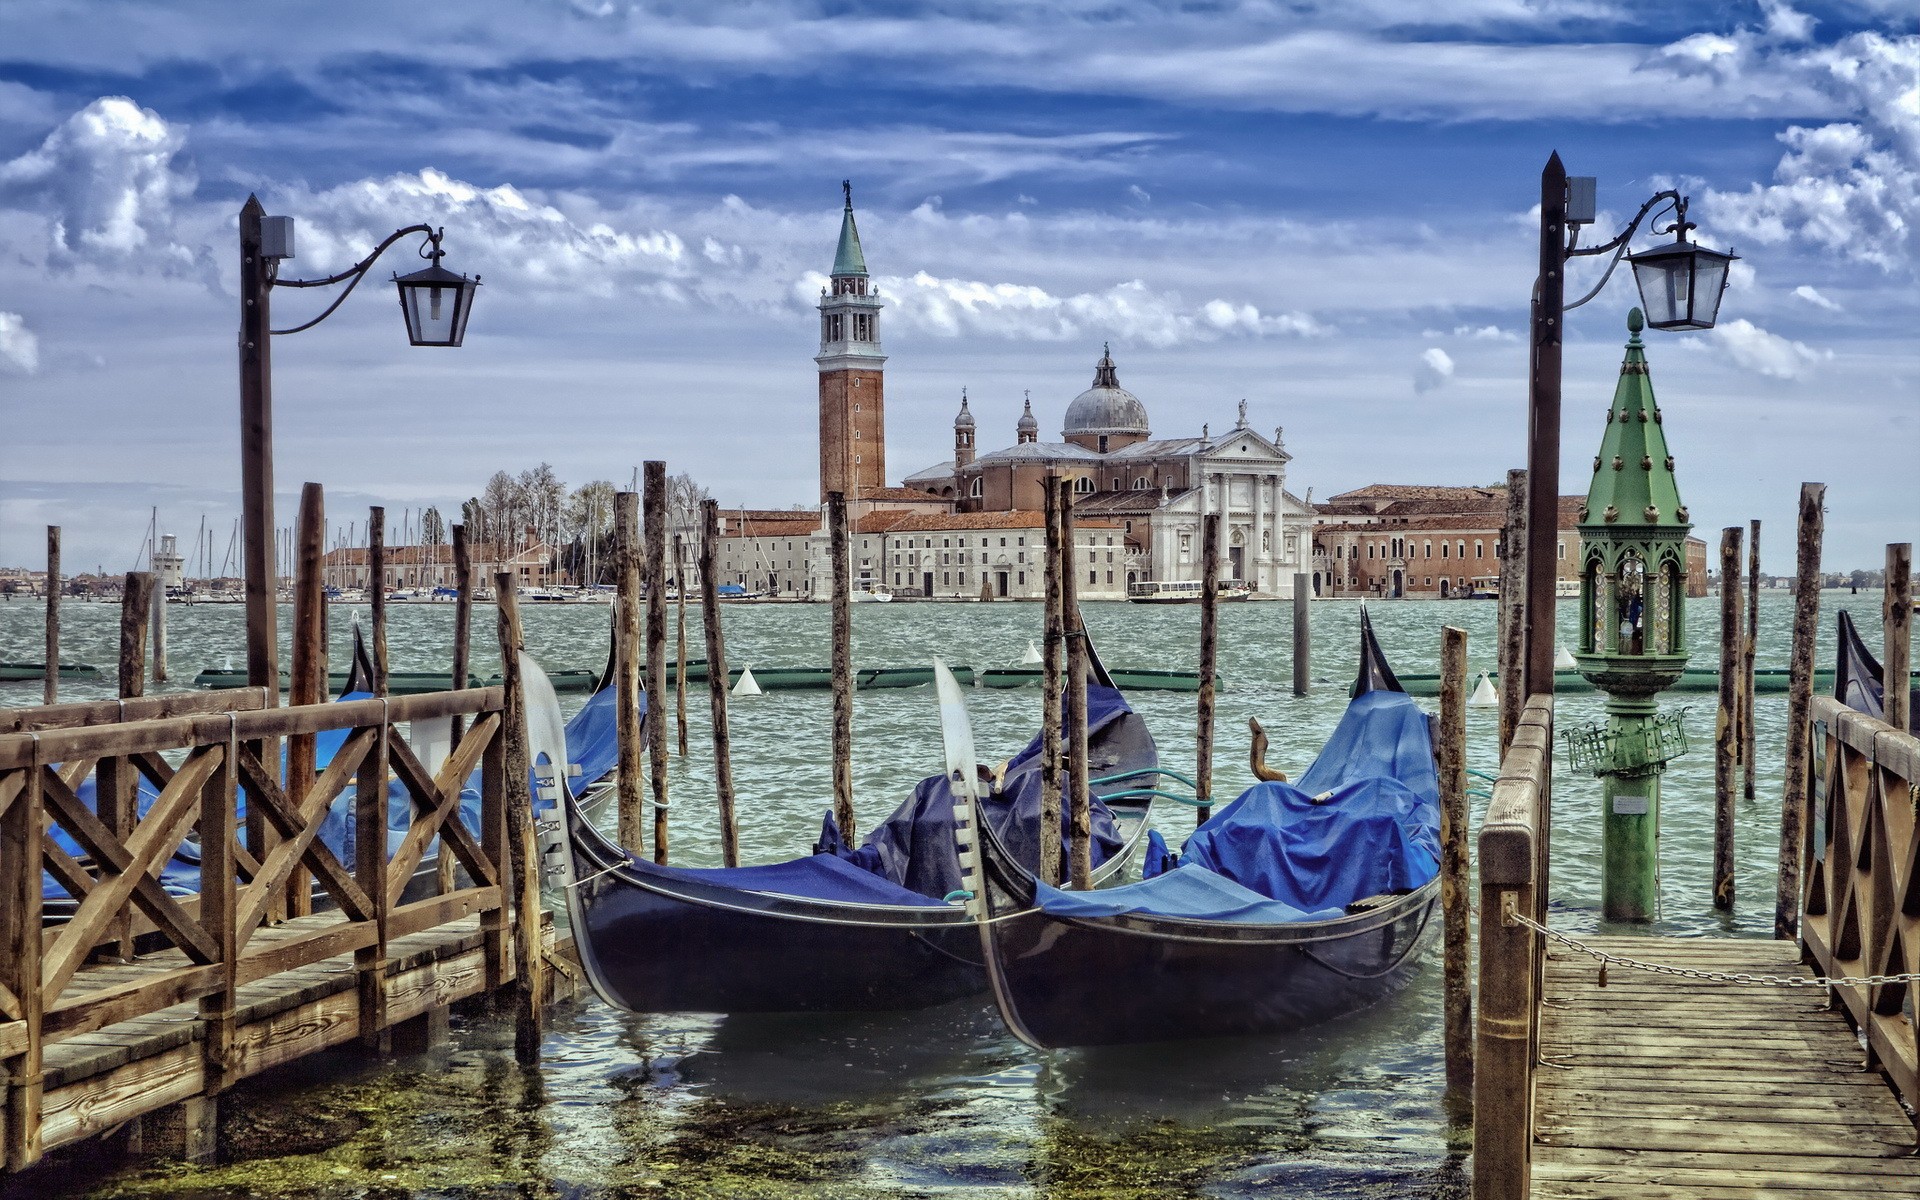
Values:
[(853, 427)]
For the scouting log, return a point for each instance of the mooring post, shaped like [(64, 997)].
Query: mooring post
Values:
[(842, 637), (1054, 635), (22, 834), (717, 682), (462, 664), (1726, 736), (50, 687), (1806, 621), (1079, 803), (655, 476), (377, 597), (629, 779), (1209, 635), (370, 872), (1747, 663), (1513, 609), (218, 915), (116, 780), (1456, 869), (680, 649), (1302, 634), (529, 966), (308, 683), (1897, 605), (159, 627)]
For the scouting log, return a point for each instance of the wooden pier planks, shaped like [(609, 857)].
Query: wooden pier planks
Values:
[(1658, 1086)]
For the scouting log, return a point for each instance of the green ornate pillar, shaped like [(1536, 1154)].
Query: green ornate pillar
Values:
[(1633, 587)]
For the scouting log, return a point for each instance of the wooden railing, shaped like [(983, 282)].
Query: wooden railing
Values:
[(1860, 895), (200, 753), (1513, 879)]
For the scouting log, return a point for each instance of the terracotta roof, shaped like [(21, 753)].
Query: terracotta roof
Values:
[(899, 493), (898, 521)]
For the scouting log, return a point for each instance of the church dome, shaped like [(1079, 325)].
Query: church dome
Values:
[(1028, 423), (965, 419), (1106, 407)]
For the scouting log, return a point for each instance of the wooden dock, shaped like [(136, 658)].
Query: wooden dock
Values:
[(1655, 1086)]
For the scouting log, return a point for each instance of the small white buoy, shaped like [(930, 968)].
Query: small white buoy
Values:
[(1484, 694), (1032, 657), (1563, 661), (746, 685), (226, 664)]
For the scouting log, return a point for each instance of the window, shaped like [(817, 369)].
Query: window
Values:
[(963, 579), (1109, 577), (1563, 551), (1116, 483), (896, 579), (1021, 578), (944, 577), (1092, 578), (1083, 486), (1369, 549), (1479, 548), (1443, 549), (1429, 549), (974, 490), (1460, 549), (1021, 540), (856, 460), (1003, 543), (1140, 484), (1103, 450)]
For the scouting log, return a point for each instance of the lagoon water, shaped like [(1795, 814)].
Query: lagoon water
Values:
[(943, 1102)]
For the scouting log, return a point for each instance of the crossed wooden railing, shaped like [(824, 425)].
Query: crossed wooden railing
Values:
[(206, 757), (1513, 880), (1860, 897)]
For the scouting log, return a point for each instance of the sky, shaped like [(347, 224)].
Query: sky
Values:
[(1327, 208)]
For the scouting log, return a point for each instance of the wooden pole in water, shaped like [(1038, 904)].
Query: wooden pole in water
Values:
[(136, 610), (1726, 738), (117, 781), (1806, 621), (1079, 805), (680, 649), (377, 574), (159, 625), (842, 636), (1513, 609), (1209, 637), (462, 667), (1897, 604), (1302, 634), (1747, 663), (717, 682), (1456, 901), (308, 682), (629, 779), (1050, 684), (523, 854), (50, 687), (656, 544)]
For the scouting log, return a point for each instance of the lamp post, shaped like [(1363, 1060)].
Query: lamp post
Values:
[(1680, 287), (435, 304)]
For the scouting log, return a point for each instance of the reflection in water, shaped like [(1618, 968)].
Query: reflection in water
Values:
[(942, 1102)]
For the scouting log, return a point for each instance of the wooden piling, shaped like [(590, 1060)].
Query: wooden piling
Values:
[(22, 833), (654, 474), (50, 687), (629, 777), (1513, 609), (377, 576), (159, 628), (462, 665), (1726, 737), (1302, 634), (717, 681), (1456, 898), (1079, 803), (1806, 621), (1747, 666), (680, 648), (1897, 614), (522, 851), (1209, 638), (842, 636), (116, 780), (1050, 685), (370, 872), (308, 682)]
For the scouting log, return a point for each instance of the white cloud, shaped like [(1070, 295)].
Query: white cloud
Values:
[(1483, 333), (1752, 348), (1433, 370), (1813, 296), (1139, 193), (19, 348)]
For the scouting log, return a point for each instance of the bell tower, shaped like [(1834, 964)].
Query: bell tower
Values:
[(853, 429)]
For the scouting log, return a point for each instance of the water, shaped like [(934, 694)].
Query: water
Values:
[(941, 1102)]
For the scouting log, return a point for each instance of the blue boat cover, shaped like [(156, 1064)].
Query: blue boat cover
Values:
[(914, 847), (1363, 820), (593, 741), (815, 877), (1189, 891)]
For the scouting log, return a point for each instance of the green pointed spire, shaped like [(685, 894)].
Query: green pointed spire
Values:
[(848, 260), (1633, 485)]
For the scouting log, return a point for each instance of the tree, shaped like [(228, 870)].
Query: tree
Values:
[(542, 497), (433, 528), (500, 504), (475, 519), (587, 525)]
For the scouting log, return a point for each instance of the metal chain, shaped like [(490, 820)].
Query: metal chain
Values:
[(1740, 977)]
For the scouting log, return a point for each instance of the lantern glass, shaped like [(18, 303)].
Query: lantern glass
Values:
[(436, 304), (1680, 284)]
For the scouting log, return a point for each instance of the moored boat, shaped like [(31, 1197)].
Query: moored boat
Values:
[(10, 671), (1128, 679), (1183, 591)]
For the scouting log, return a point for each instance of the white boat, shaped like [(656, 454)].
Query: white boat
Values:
[(1183, 591), (872, 595)]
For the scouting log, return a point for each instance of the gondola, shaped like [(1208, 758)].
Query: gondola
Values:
[(841, 929), (1256, 931), (1858, 679)]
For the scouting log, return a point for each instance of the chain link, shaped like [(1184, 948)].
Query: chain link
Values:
[(1739, 977)]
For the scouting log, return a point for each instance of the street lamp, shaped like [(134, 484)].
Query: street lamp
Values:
[(1680, 288), (435, 303)]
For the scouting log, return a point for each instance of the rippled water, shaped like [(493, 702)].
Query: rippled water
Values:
[(941, 1102)]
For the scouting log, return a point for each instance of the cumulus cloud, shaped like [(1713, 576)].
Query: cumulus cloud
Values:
[(1476, 333), (1433, 370), (1752, 348), (19, 348), (1815, 297)]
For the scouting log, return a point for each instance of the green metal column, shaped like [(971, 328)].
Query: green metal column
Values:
[(1630, 825)]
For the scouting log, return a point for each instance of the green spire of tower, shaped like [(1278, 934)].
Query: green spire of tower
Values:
[(1633, 485), (848, 260)]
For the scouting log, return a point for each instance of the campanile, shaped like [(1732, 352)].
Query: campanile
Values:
[(853, 428)]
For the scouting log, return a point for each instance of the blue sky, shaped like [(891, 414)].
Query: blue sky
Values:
[(1323, 208)]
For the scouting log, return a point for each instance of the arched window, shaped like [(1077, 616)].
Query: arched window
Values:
[(974, 489), (1140, 484), (1083, 486)]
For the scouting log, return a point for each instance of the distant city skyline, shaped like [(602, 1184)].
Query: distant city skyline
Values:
[(1324, 210)]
